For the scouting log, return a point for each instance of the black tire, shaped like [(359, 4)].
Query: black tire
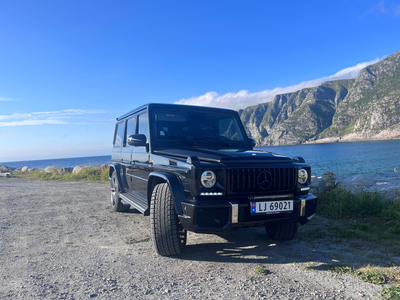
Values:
[(168, 234), (282, 231), (116, 203)]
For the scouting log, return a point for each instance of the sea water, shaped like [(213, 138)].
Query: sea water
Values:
[(343, 159)]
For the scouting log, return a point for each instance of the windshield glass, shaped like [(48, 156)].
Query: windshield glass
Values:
[(197, 126)]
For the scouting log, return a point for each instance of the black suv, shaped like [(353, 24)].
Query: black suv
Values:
[(194, 168)]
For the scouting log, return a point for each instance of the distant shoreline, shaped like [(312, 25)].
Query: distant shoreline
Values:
[(331, 141)]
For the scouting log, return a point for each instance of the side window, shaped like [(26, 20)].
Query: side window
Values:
[(119, 134), (143, 125), (130, 127)]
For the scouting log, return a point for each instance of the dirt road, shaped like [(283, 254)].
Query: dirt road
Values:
[(60, 240)]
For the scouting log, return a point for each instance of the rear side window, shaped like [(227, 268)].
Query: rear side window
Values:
[(130, 127), (119, 134)]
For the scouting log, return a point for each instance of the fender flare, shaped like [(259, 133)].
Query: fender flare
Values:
[(174, 183), (117, 168)]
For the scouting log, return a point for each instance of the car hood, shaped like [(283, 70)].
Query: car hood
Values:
[(226, 156)]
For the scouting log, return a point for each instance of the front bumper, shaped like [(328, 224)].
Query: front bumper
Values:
[(215, 216)]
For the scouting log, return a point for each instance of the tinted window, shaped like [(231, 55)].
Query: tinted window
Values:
[(194, 125), (119, 134), (130, 127), (143, 125)]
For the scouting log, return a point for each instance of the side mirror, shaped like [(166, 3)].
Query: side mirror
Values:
[(253, 142), (137, 140)]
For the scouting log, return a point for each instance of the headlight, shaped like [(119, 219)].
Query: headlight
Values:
[(208, 179), (303, 176)]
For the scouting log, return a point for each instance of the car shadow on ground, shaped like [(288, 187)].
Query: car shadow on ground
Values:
[(249, 245)]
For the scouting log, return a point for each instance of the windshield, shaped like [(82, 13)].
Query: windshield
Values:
[(197, 126)]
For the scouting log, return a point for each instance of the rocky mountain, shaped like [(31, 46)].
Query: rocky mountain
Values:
[(365, 108)]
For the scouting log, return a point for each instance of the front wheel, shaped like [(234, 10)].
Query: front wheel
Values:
[(282, 231), (168, 234)]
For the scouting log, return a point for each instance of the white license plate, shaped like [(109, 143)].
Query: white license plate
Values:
[(271, 207)]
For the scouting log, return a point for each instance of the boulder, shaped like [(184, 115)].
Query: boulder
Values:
[(49, 169), (387, 185), (4, 169), (62, 171), (79, 169), (25, 169), (323, 183)]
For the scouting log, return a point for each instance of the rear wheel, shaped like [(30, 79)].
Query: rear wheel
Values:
[(116, 203), (168, 234), (282, 231)]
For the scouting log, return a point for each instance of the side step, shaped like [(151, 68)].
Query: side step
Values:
[(137, 200)]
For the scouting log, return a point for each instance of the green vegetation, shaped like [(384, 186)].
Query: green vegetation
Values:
[(392, 292), (371, 274), (89, 173), (262, 271), (364, 216)]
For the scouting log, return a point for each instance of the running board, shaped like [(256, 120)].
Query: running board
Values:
[(137, 201)]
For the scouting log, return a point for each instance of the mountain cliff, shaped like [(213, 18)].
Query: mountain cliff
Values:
[(365, 108)]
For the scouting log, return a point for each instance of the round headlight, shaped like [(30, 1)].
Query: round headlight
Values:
[(303, 176), (208, 179)]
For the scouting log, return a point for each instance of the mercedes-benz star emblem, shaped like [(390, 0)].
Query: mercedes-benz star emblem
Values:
[(264, 180)]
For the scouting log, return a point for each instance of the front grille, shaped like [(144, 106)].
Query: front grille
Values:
[(242, 180)]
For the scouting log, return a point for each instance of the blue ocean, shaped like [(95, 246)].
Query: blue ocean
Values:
[(343, 159)]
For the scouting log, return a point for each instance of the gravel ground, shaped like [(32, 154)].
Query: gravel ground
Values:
[(60, 240)]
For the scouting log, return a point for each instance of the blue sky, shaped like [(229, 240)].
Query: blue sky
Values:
[(69, 68)]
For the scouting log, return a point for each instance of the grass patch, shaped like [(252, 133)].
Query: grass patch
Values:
[(371, 274), (392, 292), (339, 203), (262, 271), (89, 173), (365, 216)]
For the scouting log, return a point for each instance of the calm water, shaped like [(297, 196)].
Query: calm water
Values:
[(340, 158), (347, 158)]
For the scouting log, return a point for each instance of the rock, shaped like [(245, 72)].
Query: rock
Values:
[(79, 169), (24, 169), (6, 169), (387, 185), (49, 169), (31, 170), (323, 183)]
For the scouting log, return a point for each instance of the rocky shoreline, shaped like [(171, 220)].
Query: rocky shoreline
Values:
[(387, 185), (50, 169)]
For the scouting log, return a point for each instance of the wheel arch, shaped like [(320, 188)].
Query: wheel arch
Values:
[(174, 184), (117, 169)]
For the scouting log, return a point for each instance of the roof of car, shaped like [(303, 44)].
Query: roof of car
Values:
[(172, 106)]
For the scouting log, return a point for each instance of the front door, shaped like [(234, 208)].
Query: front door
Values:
[(141, 165)]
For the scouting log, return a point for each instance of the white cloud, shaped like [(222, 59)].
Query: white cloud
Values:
[(45, 117), (381, 9), (244, 98), (5, 99)]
